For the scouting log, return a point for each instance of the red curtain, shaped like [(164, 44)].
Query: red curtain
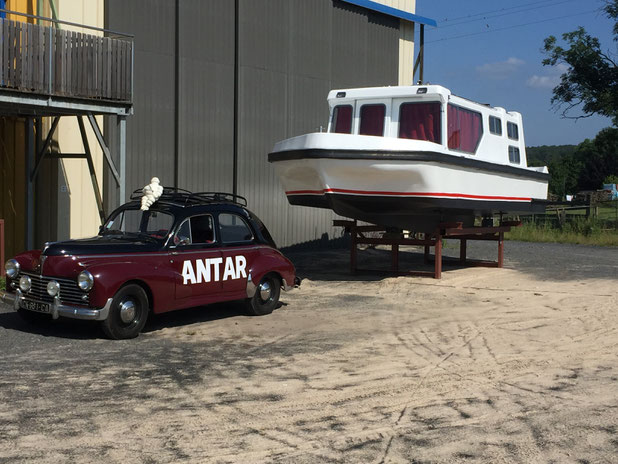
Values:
[(342, 119), (372, 120), (420, 121), (464, 129)]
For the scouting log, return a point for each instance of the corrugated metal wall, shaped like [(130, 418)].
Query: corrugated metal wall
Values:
[(150, 133), (291, 53), (206, 105)]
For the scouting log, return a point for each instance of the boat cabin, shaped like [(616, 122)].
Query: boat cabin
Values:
[(430, 113)]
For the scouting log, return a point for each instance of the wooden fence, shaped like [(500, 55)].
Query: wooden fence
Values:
[(604, 214), (50, 61)]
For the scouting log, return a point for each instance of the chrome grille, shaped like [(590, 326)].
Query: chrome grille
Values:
[(70, 293)]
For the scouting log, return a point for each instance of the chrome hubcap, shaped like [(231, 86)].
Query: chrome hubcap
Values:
[(127, 311), (265, 291)]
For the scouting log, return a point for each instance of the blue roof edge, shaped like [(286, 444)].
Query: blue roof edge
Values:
[(390, 11)]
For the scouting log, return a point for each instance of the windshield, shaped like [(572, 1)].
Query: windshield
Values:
[(151, 223)]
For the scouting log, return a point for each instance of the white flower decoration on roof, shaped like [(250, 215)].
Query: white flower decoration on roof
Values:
[(152, 192)]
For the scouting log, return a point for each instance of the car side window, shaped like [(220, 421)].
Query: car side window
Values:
[(202, 229), (234, 229), (196, 230), (183, 236)]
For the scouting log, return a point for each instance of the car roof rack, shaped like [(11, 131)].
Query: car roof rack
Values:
[(184, 197)]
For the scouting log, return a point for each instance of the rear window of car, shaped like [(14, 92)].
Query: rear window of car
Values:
[(234, 229)]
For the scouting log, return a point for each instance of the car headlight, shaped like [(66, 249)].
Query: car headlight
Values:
[(25, 284), (12, 268), (53, 288), (85, 281)]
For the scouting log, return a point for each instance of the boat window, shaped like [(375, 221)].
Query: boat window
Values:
[(465, 129), (342, 119), (420, 121), (495, 125), (513, 154), (512, 130), (372, 120)]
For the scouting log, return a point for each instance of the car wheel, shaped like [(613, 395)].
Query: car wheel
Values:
[(127, 314), (266, 296)]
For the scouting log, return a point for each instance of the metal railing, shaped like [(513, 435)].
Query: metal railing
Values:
[(44, 59)]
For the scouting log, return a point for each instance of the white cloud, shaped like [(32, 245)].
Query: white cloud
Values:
[(543, 82), (549, 80), (500, 69)]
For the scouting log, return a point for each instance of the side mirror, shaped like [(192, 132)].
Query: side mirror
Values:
[(182, 240)]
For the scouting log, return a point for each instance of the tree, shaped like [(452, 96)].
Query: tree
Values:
[(597, 159), (591, 80)]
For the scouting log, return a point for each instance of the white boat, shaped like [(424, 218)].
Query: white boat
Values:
[(412, 157)]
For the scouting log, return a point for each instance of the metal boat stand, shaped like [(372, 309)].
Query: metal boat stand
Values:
[(443, 231)]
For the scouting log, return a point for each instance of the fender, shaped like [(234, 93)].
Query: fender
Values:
[(271, 260), (109, 277)]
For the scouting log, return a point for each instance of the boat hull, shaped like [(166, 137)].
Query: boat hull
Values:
[(413, 190)]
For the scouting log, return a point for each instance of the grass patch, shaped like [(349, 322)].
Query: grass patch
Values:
[(583, 232)]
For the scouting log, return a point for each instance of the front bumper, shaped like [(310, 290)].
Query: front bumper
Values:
[(58, 309)]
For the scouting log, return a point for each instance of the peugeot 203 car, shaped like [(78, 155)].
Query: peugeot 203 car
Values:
[(187, 249)]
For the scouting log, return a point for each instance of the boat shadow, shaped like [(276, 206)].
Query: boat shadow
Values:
[(373, 264)]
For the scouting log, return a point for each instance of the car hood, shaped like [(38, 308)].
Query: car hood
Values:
[(100, 245)]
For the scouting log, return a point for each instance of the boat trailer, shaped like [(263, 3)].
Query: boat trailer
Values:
[(443, 231)]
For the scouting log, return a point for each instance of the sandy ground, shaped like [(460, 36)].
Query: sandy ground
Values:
[(512, 365)]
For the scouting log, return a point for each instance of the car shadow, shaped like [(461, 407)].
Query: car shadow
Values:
[(88, 330), (198, 315), (48, 327)]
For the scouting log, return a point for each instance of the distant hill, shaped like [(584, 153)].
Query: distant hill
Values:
[(543, 155)]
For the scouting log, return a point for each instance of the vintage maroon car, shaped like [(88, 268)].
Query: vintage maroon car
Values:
[(188, 249)]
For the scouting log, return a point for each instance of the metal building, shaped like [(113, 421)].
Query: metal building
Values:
[(217, 82)]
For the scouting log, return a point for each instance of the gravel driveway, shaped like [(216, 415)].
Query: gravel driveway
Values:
[(486, 365)]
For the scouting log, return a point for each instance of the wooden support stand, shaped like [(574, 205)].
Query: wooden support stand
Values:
[(443, 231)]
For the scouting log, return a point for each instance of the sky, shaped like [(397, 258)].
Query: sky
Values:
[(490, 51)]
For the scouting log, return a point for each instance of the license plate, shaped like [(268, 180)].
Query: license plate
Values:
[(35, 306)]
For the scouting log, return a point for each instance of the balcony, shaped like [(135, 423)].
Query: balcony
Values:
[(62, 70)]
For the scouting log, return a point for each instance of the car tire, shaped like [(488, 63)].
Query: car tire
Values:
[(31, 317), (266, 296), (127, 314)]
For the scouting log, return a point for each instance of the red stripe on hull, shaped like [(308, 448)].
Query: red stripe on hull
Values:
[(406, 194)]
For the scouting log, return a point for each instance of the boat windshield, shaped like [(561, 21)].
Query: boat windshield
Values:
[(150, 224)]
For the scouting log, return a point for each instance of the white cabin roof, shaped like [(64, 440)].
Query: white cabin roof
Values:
[(429, 92)]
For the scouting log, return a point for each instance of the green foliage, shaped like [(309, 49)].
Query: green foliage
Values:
[(584, 232), (543, 155), (597, 159), (564, 169), (591, 80), (611, 179), (2, 283), (582, 167)]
